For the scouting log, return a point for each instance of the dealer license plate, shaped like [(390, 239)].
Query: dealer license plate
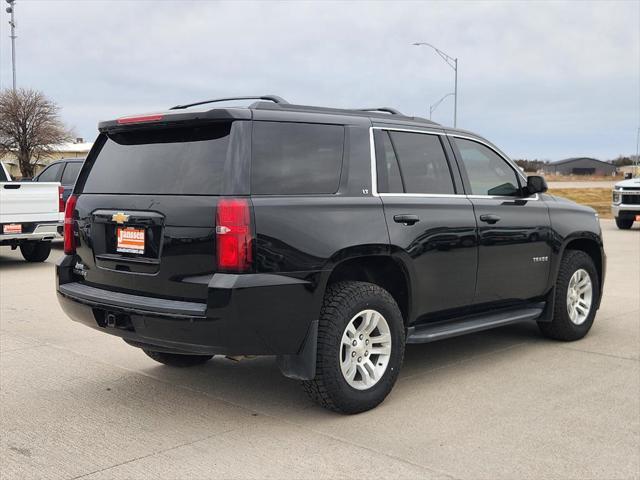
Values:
[(12, 228), (130, 240)]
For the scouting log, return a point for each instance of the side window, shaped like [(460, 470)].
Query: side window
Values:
[(296, 158), (51, 173), (71, 172), (489, 174), (423, 166), (388, 172)]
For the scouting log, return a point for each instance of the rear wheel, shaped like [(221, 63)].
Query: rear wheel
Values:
[(624, 223), (178, 360), (361, 340), (35, 251), (576, 298)]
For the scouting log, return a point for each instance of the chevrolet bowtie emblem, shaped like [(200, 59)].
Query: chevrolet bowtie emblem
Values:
[(120, 217)]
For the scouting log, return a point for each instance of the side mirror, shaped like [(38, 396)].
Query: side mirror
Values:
[(536, 184)]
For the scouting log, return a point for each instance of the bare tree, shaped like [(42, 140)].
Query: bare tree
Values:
[(29, 127)]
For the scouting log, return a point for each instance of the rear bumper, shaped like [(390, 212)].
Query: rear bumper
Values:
[(39, 232), (250, 314)]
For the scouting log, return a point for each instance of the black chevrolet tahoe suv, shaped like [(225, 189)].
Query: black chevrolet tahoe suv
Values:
[(328, 238)]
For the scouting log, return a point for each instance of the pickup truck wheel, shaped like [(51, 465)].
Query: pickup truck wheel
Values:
[(35, 251), (624, 223), (178, 360), (577, 291), (361, 339)]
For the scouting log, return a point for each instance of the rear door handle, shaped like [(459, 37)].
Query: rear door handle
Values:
[(490, 218), (406, 219)]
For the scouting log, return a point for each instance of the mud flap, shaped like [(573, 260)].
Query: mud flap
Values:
[(547, 314), (302, 366)]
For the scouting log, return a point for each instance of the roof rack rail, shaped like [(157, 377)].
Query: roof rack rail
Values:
[(390, 110), (272, 98)]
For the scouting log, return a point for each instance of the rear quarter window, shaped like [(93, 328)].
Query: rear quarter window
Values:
[(70, 174), (296, 158), (51, 173)]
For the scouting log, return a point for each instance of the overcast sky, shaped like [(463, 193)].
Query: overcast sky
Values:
[(544, 80)]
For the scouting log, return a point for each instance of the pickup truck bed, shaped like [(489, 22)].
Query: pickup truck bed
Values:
[(30, 216)]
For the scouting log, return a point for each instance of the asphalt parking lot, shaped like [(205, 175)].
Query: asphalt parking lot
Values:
[(504, 404)]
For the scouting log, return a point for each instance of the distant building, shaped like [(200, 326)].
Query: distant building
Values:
[(629, 169), (79, 148), (580, 166)]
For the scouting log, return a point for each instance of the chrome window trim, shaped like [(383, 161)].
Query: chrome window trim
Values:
[(505, 197), (394, 129), (374, 172), (494, 150), (425, 195)]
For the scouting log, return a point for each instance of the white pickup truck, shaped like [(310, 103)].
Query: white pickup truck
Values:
[(626, 203), (31, 216)]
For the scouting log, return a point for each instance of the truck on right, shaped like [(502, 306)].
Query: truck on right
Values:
[(625, 205)]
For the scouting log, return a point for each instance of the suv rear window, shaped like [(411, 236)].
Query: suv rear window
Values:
[(171, 161), (296, 158)]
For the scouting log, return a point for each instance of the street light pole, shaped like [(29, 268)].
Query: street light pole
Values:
[(433, 107), (12, 22), (453, 63), (455, 96), (637, 159)]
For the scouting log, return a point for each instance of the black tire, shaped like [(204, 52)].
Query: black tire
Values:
[(342, 302), (624, 223), (178, 360), (35, 251), (561, 327)]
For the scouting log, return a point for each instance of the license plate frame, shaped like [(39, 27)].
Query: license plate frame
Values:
[(11, 228), (130, 240)]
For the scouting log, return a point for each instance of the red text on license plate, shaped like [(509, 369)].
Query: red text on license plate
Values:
[(130, 240), (12, 228)]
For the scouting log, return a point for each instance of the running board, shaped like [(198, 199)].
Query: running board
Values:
[(453, 328)]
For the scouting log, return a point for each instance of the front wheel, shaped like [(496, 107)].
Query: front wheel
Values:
[(361, 341), (624, 223), (178, 360), (576, 298), (35, 251)]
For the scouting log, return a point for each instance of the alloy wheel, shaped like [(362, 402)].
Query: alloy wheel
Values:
[(365, 349), (579, 296)]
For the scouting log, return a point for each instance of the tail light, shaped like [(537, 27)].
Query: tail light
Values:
[(233, 235), (69, 238), (60, 199)]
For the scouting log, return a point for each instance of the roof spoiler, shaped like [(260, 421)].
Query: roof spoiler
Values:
[(271, 98)]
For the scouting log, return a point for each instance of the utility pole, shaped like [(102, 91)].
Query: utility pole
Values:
[(11, 10), (637, 159)]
